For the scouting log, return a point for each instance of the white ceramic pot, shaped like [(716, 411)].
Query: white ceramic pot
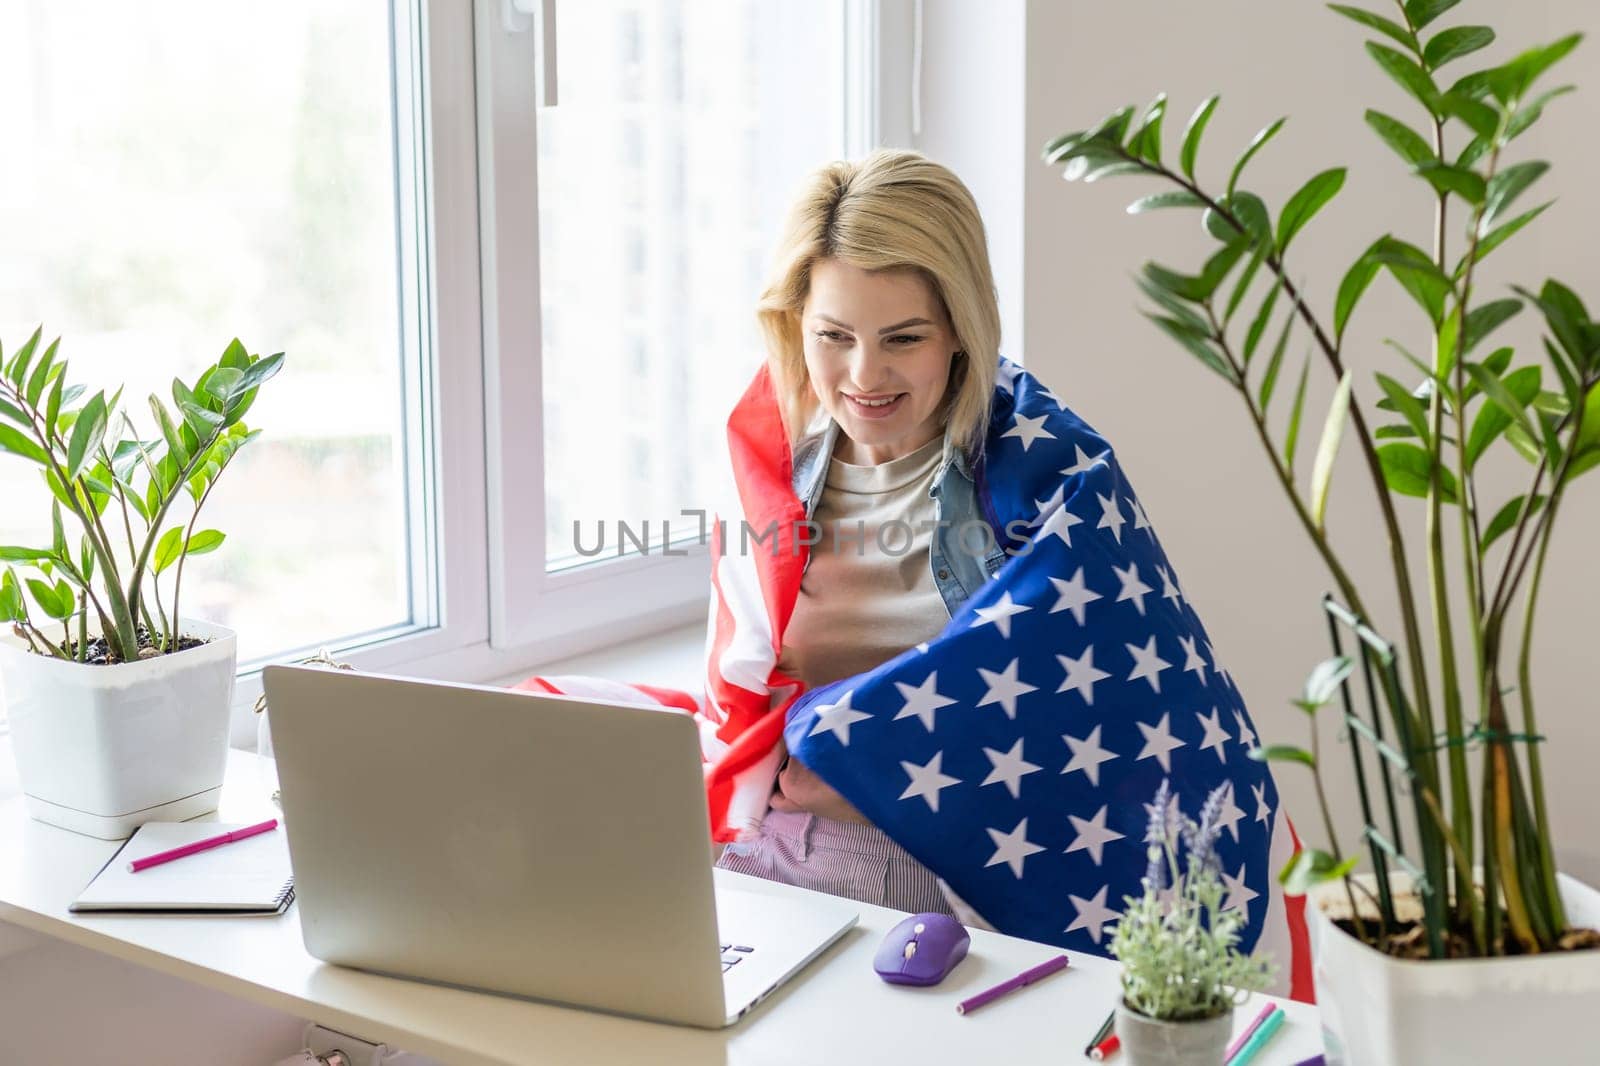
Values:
[(101, 750), (1381, 1011), (1148, 1042)]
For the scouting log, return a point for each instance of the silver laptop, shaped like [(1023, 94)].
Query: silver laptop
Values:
[(542, 846)]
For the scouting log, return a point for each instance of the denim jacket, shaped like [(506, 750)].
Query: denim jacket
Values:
[(956, 489)]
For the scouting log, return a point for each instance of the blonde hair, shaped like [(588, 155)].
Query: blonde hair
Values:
[(893, 210)]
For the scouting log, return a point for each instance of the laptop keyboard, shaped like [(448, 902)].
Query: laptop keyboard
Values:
[(733, 954)]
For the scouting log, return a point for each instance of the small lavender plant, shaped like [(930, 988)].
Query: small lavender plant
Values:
[(1178, 947)]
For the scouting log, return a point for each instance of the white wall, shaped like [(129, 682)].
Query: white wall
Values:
[(1182, 433)]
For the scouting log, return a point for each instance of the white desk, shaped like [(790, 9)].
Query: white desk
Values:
[(836, 1012)]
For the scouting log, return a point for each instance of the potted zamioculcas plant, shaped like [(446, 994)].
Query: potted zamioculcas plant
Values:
[(1463, 941), (1182, 969), (118, 704)]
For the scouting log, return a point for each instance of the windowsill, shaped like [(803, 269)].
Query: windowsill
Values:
[(672, 659)]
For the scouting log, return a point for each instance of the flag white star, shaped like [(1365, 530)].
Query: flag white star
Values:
[(1216, 736), (1084, 462), (1246, 736), (1028, 430), (1093, 835), (837, 718), (1159, 743), (1087, 755), (1132, 588), (922, 700), (1263, 812), (1147, 664), (1046, 506), (1073, 595), (1059, 524), (1061, 405), (1239, 893), (926, 781), (1140, 521), (1005, 376), (1228, 817), (1169, 590), (1211, 653), (1000, 614), (1111, 516), (1192, 662), (1004, 688), (923, 647), (1013, 847), (1009, 767), (1093, 914), (1082, 675)]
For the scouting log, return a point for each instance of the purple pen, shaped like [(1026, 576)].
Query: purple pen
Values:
[(1023, 979)]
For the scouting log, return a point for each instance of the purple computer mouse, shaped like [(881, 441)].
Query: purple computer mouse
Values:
[(922, 950)]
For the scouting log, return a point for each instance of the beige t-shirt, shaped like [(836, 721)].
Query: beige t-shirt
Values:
[(867, 594)]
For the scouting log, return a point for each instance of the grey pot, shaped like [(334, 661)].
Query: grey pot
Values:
[(1148, 1042)]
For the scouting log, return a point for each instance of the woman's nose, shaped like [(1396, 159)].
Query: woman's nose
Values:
[(867, 368)]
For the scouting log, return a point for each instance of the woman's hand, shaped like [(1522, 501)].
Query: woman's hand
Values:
[(799, 789)]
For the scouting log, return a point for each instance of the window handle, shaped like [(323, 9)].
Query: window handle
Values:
[(520, 16)]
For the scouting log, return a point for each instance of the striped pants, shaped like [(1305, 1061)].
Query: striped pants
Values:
[(847, 859)]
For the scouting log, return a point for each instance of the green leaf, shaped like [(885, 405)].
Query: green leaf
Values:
[(1410, 77), (1393, 431), (1482, 119), (1474, 151), (1197, 346), (1328, 449), (1255, 146), (58, 532), (11, 609), (1506, 186), (18, 369), (1455, 43), (222, 381), (1406, 404), (1499, 394), (1251, 213), (1484, 320), (1108, 170), (261, 371), (1242, 286), (1406, 468), (1173, 304), (1416, 273), (1520, 73), (1521, 386), (1283, 753), (52, 404), (205, 540), (1309, 868), (1269, 379), (12, 440), (1193, 132), (202, 419), (1506, 518), (15, 553), (50, 599), (1355, 282), (1467, 184), (1500, 235), (1407, 142), (1379, 23), (41, 374), (87, 433), (13, 412), (1258, 325), (1172, 198), (1146, 140), (1305, 203), (169, 432), (1292, 437), (168, 549), (1528, 114), (1421, 12), (235, 356)]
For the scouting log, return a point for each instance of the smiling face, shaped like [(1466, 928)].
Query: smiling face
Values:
[(878, 349)]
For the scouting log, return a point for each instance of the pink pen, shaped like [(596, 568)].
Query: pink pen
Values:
[(1250, 1030), (201, 845)]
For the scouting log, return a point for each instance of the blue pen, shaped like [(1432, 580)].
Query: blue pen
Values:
[(1258, 1041)]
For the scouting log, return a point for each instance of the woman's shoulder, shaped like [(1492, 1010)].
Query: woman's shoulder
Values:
[(1035, 441)]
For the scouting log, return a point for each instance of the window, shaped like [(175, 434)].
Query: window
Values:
[(173, 182), (502, 320)]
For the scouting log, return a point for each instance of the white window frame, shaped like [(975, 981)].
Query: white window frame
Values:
[(484, 606)]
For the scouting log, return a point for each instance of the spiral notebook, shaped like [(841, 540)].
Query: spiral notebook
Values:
[(250, 876)]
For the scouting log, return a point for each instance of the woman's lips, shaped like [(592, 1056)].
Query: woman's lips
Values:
[(863, 410)]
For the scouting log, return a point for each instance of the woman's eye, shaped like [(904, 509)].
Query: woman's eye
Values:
[(830, 335), (904, 339)]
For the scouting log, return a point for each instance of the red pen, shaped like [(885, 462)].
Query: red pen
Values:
[(201, 845), (1106, 1048)]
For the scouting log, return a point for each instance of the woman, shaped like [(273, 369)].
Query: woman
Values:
[(948, 660)]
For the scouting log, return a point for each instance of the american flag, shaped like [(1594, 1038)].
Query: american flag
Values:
[(1013, 753)]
